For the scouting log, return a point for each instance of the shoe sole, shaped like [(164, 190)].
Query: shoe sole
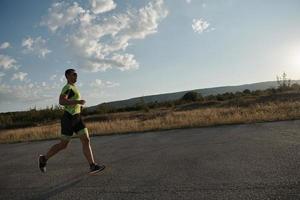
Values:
[(101, 169)]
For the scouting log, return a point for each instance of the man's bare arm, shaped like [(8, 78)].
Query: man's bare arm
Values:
[(64, 101)]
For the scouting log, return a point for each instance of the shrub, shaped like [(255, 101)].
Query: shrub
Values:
[(247, 91), (295, 86), (190, 96)]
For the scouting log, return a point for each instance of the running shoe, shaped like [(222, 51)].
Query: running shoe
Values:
[(42, 163), (94, 168)]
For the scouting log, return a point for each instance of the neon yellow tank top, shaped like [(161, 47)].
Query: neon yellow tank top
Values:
[(72, 93)]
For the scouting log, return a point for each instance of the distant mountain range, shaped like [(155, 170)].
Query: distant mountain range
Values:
[(203, 92)]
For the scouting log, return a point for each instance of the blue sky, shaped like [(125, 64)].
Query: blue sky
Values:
[(129, 48)]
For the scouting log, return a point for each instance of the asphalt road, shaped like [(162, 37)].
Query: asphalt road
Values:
[(254, 161)]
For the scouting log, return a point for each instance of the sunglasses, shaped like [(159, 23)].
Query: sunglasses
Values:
[(74, 74)]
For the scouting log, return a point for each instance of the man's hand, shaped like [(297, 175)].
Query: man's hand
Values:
[(63, 100), (81, 102)]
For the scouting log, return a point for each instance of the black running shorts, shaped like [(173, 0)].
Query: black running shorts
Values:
[(71, 123)]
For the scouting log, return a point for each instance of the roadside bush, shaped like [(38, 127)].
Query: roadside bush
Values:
[(257, 92), (210, 98), (30, 118), (190, 96), (295, 86), (247, 91)]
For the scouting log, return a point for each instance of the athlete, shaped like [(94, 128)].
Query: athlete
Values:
[(71, 122)]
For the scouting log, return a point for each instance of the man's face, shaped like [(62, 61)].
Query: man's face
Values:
[(72, 77)]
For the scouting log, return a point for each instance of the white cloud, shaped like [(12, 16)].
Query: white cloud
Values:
[(101, 6), (36, 46), (4, 45), (125, 62), (188, 1), (62, 14), (111, 84), (146, 20), (99, 43), (103, 84), (28, 43), (86, 18), (96, 83), (7, 62), (95, 66), (199, 25), (21, 76), (28, 93), (53, 77)]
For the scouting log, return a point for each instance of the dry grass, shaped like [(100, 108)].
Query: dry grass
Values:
[(28, 134), (172, 120)]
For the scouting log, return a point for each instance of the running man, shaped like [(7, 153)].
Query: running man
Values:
[(71, 122)]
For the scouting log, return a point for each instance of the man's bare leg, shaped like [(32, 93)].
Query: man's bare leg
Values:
[(88, 153), (86, 148), (56, 148), (52, 151)]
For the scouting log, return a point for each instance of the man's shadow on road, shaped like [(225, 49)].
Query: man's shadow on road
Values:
[(56, 189)]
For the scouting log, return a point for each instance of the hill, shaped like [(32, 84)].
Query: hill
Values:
[(204, 92)]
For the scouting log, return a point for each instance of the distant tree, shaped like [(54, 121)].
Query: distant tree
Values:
[(295, 86), (190, 96), (239, 94), (200, 97), (153, 105), (228, 95), (247, 91), (142, 105), (283, 82), (271, 91), (104, 108), (5, 121), (257, 92), (210, 97), (220, 97)]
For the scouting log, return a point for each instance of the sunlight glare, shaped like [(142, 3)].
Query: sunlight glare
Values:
[(295, 57)]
